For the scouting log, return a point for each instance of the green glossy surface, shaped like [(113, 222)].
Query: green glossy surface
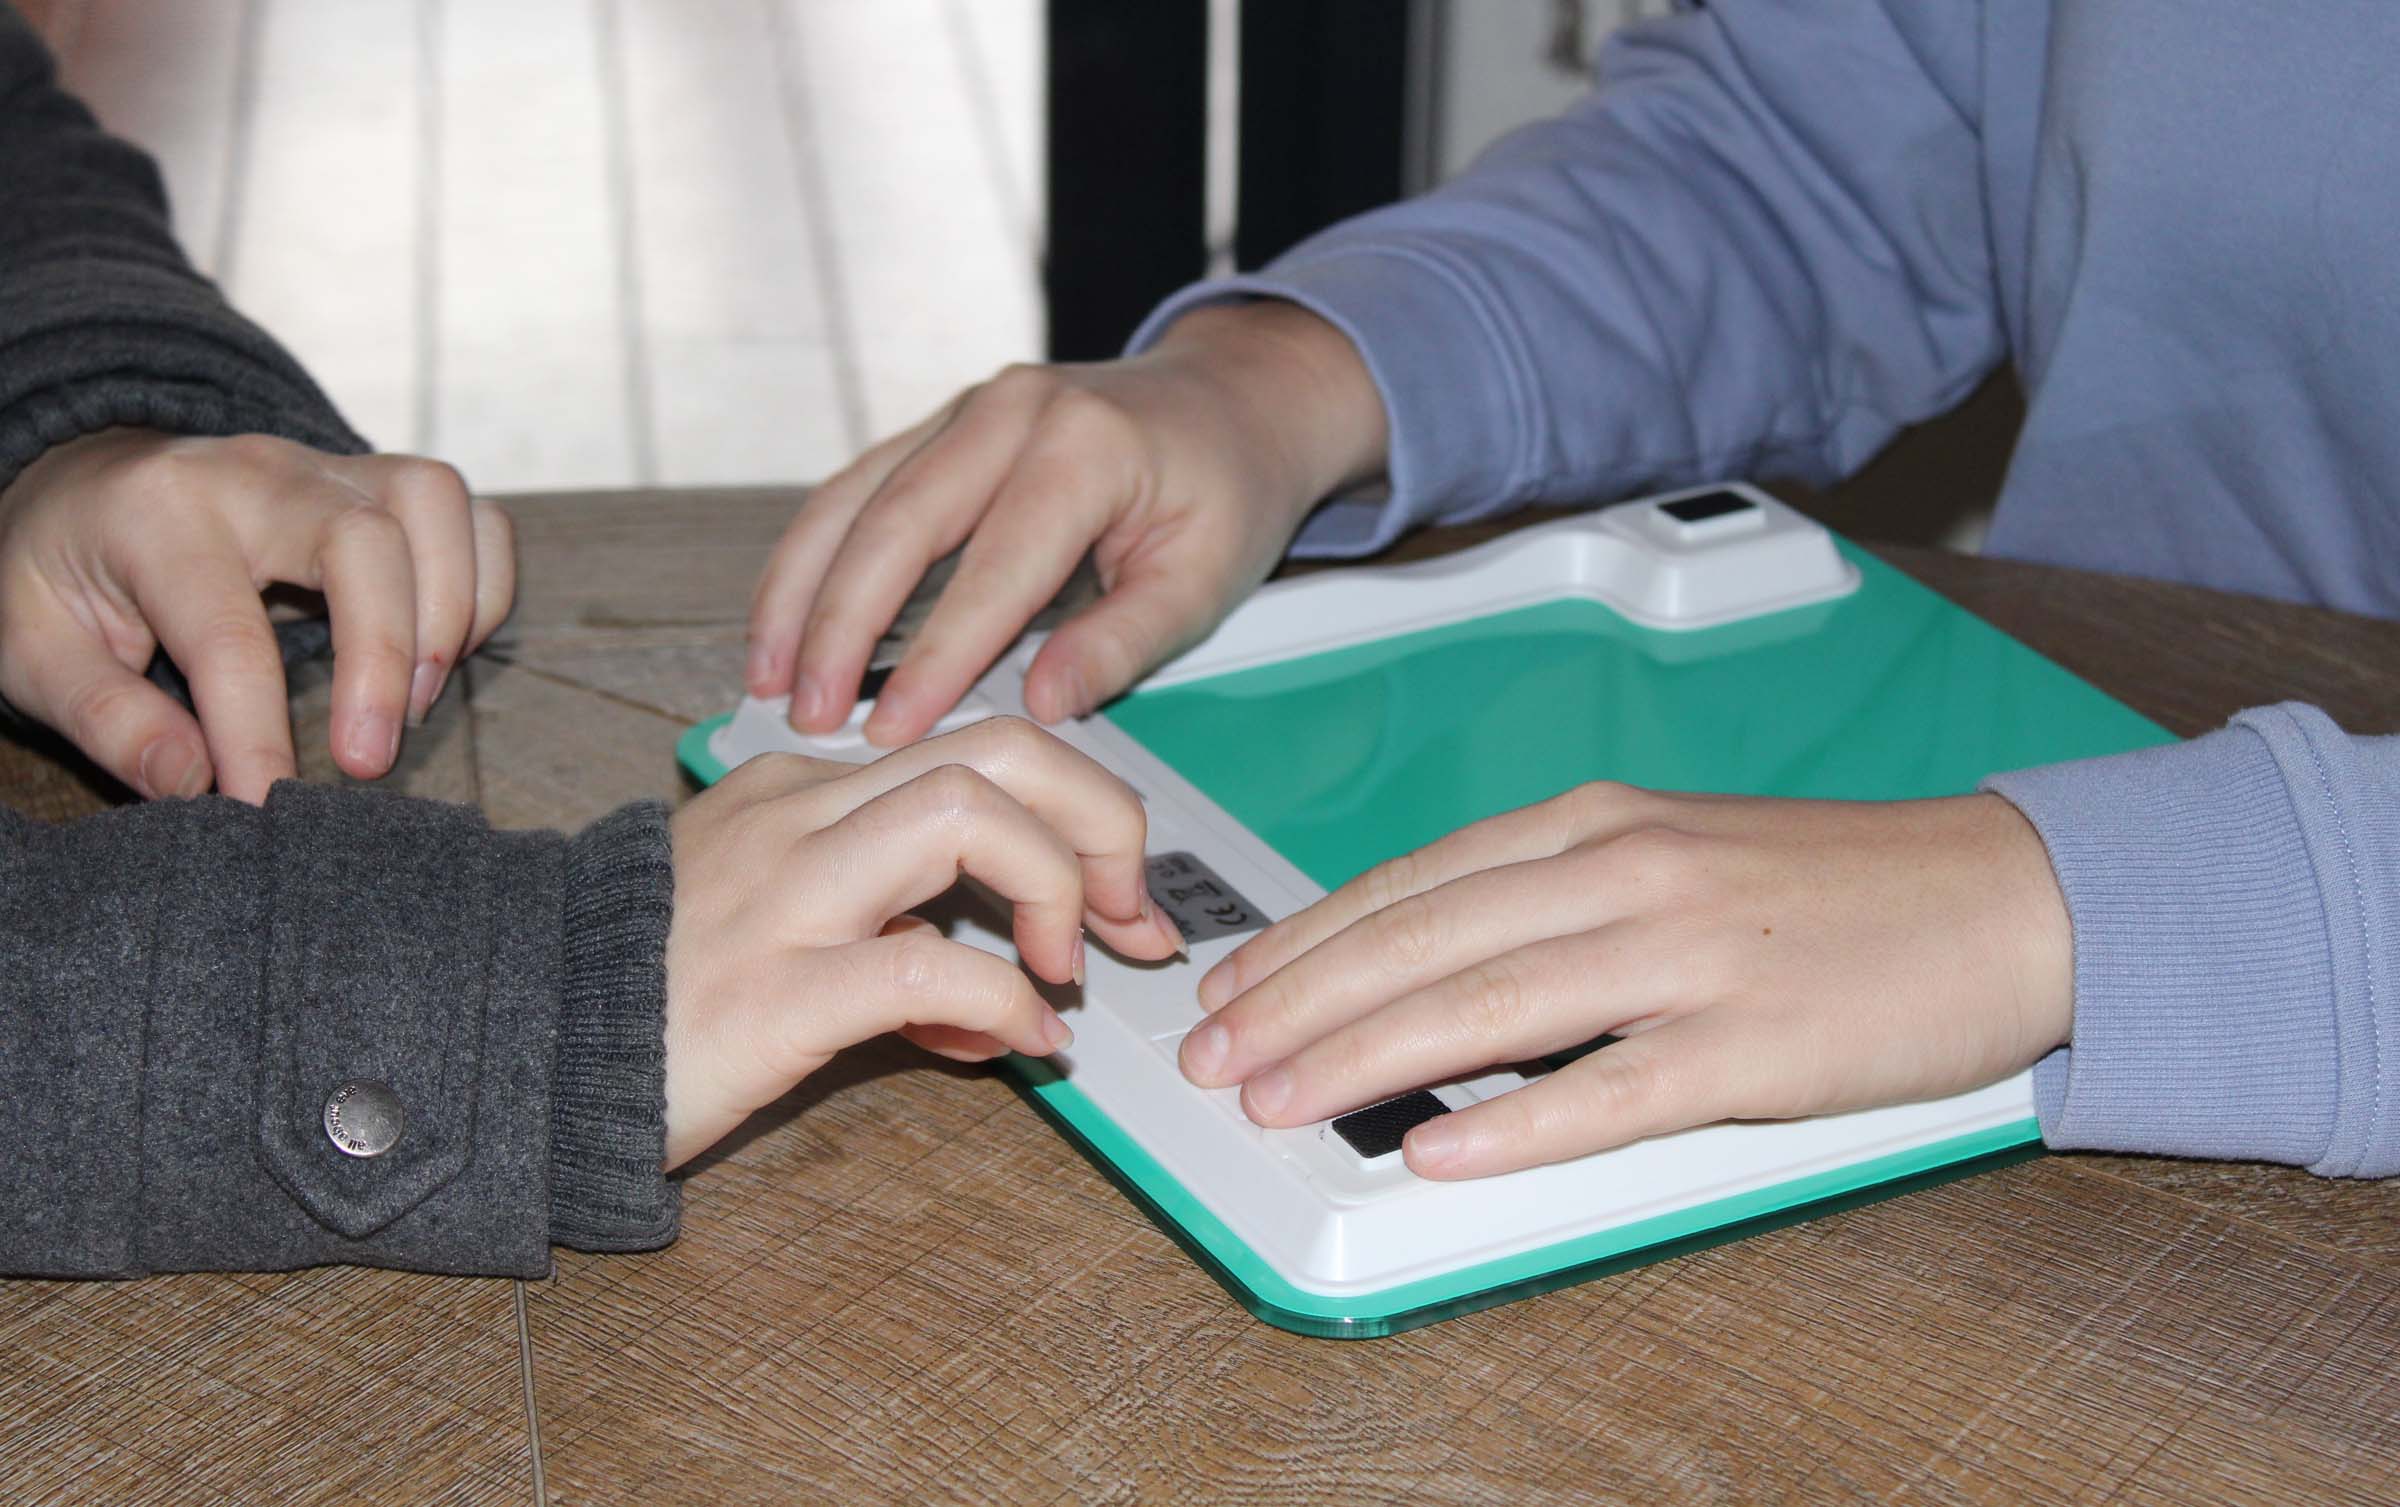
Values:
[(1342, 759)]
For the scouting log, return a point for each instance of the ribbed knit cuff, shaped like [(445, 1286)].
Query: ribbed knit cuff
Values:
[(1454, 397), (2205, 993), (609, 1104), (143, 347)]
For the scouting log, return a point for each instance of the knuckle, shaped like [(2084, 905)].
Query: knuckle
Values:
[(912, 967), (953, 792), (1495, 1001), (1011, 738), (245, 451), (363, 527), (1087, 421), (1630, 1085), (1596, 800), (1412, 934), (420, 479), (237, 641), (1021, 379), (1658, 860), (1391, 881), (102, 704)]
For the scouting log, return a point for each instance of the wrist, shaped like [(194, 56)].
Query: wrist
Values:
[(2035, 928), (1293, 389)]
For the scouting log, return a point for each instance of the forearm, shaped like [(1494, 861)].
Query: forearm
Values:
[(2235, 902), (103, 323), (184, 987), (1759, 247)]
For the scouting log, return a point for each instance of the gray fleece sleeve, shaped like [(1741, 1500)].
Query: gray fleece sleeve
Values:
[(103, 323), (185, 984), (2236, 904)]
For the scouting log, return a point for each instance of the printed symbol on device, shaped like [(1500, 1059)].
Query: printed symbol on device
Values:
[(1198, 900)]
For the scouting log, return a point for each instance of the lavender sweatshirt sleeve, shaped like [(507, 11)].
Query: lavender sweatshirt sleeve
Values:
[(1759, 247), (2236, 903)]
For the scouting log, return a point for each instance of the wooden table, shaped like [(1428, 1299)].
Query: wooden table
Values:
[(899, 1285)]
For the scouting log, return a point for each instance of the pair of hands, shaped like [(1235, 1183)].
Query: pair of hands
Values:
[(1757, 958)]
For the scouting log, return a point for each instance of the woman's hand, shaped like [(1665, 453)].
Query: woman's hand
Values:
[(121, 543), (1760, 959), (1183, 472), (793, 879)]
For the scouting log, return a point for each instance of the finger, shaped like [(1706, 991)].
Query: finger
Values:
[(1407, 946), (1076, 472), (797, 566), (1098, 815), (1157, 608), (912, 843), (920, 980), (364, 567), (431, 503), (1519, 1005), (957, 1043), (211, 622), (954, 1042), (323, 530), (1039, 524), (121, 721), (495, 569), (1696, 1070), (928, 504), (1542, 830)]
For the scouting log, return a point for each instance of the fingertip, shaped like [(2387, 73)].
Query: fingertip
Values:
[(1220, 984), (767, 671), (1058, 693), (173, 767), (372, 747), (894, 720), (1436, 1149), (1055, 1031)]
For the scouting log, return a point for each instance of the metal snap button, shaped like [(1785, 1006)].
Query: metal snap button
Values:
[(364, 1118)]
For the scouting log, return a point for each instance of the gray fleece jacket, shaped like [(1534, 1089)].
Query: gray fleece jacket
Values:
[(184, 985)]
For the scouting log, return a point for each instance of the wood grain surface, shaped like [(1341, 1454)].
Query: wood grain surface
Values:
[(899, 1285)]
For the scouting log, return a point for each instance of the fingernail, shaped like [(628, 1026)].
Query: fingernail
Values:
[(1055, 1032), (1075, 695), (169, 767), (761, 673), (808, 699), (1434, 1144), (1204, 1053), (1268, 1093), (1075, 968), (374, 736), (1165, 927), (1174, 936), (890, 711), (423, 687)]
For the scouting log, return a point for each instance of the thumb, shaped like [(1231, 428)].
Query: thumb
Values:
[(121, 721)]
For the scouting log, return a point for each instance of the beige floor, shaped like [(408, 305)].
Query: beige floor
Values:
[(572, 243)]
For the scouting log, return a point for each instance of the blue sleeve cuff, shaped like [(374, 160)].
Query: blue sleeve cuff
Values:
[(2229, 1001), (1456, 393)]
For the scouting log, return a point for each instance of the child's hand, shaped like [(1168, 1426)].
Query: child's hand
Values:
[(1183, 471), (125, 542), (1762, 959), (792, 883)]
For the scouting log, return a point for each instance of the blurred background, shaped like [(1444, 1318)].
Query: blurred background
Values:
[(598, 243)]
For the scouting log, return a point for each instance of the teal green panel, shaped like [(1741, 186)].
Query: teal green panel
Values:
[(1342, 759)]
